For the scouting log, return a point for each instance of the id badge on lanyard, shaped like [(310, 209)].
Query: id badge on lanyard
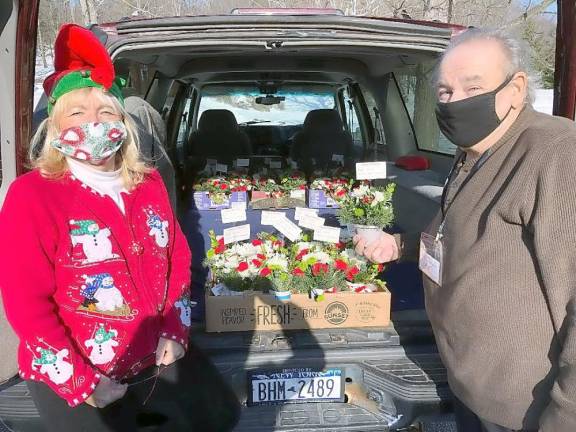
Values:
[(431, 257)]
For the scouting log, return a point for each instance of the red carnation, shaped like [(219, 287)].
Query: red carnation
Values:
[(341, 265), (301, 254), (223, 186), (243, 266), (257, 263), (257, 242), (319, 268), (265, 272), (297, 272), (261, 256), (350, 274), (340, 245), (380, 267), (367, 199), (221, 246), (277, 243)]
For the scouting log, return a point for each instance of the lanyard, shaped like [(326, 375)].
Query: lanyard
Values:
[(458, 166)]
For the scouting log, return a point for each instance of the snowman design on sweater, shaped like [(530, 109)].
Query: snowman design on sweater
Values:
[(158, 229), (100, 293), (94, 240), (185, 306), (58, 370), (102, 345)]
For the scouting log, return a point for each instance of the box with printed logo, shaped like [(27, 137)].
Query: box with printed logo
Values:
[(253, 310), (319, 199), (219, 201)]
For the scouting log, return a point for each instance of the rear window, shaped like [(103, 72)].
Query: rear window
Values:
[(289, 108)]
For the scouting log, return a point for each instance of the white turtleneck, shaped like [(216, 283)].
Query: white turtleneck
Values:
[(108, 183)]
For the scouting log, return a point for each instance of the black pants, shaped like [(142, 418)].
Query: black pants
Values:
[(467, 421), (188, 395)]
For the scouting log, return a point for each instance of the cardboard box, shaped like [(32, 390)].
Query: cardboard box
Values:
[(319, 199), (234, 199), (264, 200), (258, 311)]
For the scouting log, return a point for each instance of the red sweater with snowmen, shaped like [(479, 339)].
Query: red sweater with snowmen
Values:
[(89, 290)]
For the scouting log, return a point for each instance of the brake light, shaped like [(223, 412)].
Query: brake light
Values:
[(286, 11)]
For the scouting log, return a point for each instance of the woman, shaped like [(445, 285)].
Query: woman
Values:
[(95, 269)]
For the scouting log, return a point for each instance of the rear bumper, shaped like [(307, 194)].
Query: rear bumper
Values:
[(386, 388)]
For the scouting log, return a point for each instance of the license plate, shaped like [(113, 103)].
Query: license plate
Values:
[(295, 385)]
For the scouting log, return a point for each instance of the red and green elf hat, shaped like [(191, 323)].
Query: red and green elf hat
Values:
[(80, 61)]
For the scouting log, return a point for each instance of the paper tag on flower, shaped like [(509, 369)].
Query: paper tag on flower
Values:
[(233, 215), (288, 228), (327, 234), (236, 234), (242, 163), (311, 222), (338, 158), (222, 168), (275, 164), (268, 217), (303, 211), (370, 170)]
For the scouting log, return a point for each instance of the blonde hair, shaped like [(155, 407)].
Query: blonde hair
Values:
[(52, 163)]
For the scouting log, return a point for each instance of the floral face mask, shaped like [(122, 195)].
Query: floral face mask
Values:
[(92, 142)]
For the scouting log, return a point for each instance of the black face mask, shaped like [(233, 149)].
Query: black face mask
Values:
[(468, 121)]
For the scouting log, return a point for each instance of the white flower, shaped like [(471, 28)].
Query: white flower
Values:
[(320, 256), (278, 260), (300, 246), (360, 191)]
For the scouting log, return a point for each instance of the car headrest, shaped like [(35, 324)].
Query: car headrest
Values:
[(217, 120), (327, 119), (148, 117)]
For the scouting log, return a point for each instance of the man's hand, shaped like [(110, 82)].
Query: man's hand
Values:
[(106, 392), (379, 251), (168, 351)]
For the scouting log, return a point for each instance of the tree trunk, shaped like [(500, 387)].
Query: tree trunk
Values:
[(89, 12), (450, 11), (41, 45)]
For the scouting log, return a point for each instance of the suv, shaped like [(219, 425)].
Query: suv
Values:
[(270, 70)]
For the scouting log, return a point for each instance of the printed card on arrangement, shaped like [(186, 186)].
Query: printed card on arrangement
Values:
[(304, 211), (233, 215), (311, 222), (370, 170), (268, 217), (327, 234), (288, 228), (237, 234)]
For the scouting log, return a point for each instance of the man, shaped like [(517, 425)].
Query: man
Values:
[(499, 260)]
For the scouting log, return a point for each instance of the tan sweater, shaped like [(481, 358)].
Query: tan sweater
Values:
[(505, 317)]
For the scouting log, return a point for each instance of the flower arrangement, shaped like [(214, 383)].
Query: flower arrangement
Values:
[(267, 264), (337, 187), (368, 205), (290, 181)]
